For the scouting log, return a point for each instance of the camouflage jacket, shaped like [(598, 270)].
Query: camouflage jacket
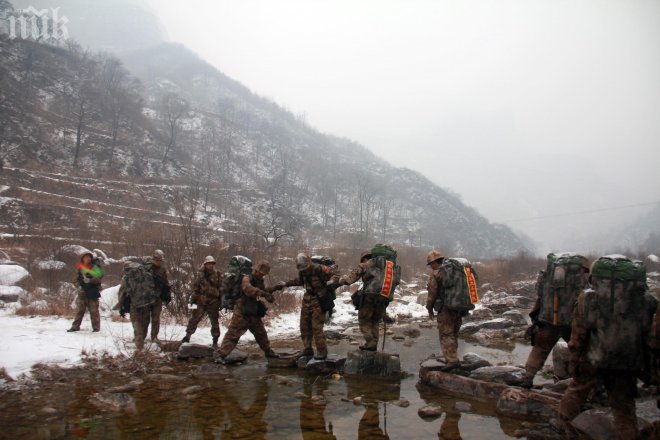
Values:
[(251, 289), (208, 283), (358, 273), (434, 287), (556, 303), (315, 280), (612, 334)]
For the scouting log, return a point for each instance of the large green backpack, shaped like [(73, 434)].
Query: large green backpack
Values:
[(459, 285), (618, 311), (231, 283), (383, 275), (139, 283), (565, 278)]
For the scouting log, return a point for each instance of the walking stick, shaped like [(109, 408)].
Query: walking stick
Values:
[(382, 348)]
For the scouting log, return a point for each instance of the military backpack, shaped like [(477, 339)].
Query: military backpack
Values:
[(458, 287), (230, 291), (327, 301), (566, 276), (383, 275), (618, 312), (139, 283)]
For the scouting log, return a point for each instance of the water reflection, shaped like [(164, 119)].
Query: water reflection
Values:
[(312, 412)]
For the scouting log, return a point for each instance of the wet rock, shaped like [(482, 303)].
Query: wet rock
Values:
[(236, 356), (409, 343), (558, 387), (166, 369), (402, 403), (425, 325), (372, 363), (463, 407), (168, 378), (398, 337), (598, 424), (325, 366), (492, 324), (460, 386), (516, 317), (196, 351), (494, 338), (300, 395), (516, 402), (433, 364), (318, 400), (48, 411), (505, 374), (333, 335), (117, 402), (357, 400), (128, 388), (560, 357), (211, 370), (480, 314), (430, 412), (303, 361), (412, 332), (472, 361), (485, 287), (282, 380), (191, 390), (288, 358)]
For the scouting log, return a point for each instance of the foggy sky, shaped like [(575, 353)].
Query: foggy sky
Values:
[(524, 108)]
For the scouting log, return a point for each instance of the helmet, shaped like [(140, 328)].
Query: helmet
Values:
[(264, 267), (209, 259), (303, 261), (433, 256), (366, 254), (158, 255)]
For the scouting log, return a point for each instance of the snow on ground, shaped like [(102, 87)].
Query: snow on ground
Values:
[(11, 274), (44, 339), (654, 258), (12, 290)]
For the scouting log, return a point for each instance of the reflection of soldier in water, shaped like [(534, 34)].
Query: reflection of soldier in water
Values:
[(312, 417), (449, 429), (242, 423), (369, 427)]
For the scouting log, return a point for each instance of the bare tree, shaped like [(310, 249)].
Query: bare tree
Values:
[(172, 109)]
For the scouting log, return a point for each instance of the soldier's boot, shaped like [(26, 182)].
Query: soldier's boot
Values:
[(528, 382), (320, 356), (215, 342), (367, 348), (220, 360), (96, 330), (272, 354), (185, 339), (307, 352), (73, 330)]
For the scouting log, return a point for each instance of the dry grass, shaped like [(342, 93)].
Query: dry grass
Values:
[(47, 304)]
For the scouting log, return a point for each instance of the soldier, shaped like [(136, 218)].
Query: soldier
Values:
[(248, 312), (449, 321), (144, 287), (163, 291), (611, 324), (206, 296), (89, 282), (371, 309), (315, 278), (552, 313)]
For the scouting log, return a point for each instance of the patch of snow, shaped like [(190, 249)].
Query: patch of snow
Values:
[(13, 290), (11, 274), (616, 257), (653, 258), (50, 265)]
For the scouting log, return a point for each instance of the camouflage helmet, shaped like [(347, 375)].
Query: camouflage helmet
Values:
[(365, 254), (263, 267), (303, 261), (158, 255), (209, 259), (433, 256)]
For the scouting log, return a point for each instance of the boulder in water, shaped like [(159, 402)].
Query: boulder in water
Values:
[(372, 363)]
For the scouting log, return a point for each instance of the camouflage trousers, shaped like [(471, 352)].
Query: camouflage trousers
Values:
[(449, 323), (92, 305), (621, 389), (212, 310), (546, 337), (238, 326), (312, 319), (155, 311), (369, 317), (140, 320)]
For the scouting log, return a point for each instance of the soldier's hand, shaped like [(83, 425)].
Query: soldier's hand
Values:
[(268, 296), (430, 310)]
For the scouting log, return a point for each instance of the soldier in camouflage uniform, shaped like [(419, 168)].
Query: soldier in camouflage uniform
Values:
[(315, 278), (449, 321), (145, 305), (206, 296), (371, 309), (89, 292), (248, 312), (611, 325), (551, 317)]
